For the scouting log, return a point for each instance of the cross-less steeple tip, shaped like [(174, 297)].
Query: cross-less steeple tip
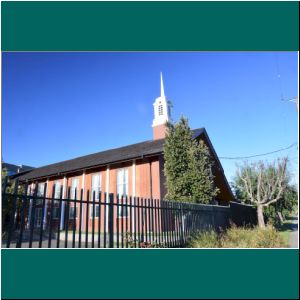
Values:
[(162, 90)]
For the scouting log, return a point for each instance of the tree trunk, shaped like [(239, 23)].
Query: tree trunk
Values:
[(260, 217), (280, 217)]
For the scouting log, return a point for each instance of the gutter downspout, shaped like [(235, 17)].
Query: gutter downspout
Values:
[(83, 204), (62, 217), (150, 175), (46, 205), (133, 191), (30, 206), (107, 193)]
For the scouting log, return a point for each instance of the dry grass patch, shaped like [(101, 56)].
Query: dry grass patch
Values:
[(236, 237)]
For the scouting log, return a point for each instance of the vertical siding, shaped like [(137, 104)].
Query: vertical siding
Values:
[(142, 179), (155, 179)]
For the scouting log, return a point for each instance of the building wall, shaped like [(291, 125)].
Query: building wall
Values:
[(147, 185)]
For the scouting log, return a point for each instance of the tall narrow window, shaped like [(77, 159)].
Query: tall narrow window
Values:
[(40, 193), (57, 192), (96, 185), (122, 189), (57, 189), (29, 191), (96, 211), (75, 184), (122, 182), (72, 211)]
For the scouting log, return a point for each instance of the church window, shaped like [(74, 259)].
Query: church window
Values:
[(75, 184), (122, 190), (96, 185)]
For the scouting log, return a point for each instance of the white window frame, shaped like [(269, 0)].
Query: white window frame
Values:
[(124, 188), (57, 189), (40, 193), (29, 190), (96, 188), (75, 179), (72, 217), (96, 209)]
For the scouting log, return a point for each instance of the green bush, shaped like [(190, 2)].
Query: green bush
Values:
[(207, 239), (239, 238)]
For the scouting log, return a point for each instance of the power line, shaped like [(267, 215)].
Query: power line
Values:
[(257, 155)]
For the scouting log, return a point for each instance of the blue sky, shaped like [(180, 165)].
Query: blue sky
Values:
[(57, 106)]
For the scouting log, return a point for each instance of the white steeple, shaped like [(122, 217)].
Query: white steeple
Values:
[(162, 90), (162, 107)]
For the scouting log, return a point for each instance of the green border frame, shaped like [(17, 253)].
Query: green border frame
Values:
[(150, 274), (150, 26)]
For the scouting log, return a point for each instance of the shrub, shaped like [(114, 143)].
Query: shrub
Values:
[(207, 239), (252, 238), (239, 238)]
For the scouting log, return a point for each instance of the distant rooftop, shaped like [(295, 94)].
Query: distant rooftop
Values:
[(14, 169)]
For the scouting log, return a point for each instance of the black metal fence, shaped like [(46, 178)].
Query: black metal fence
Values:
[(102, 220), (243, 214)]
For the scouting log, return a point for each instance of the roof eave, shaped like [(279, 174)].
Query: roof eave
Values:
[(90, 167)]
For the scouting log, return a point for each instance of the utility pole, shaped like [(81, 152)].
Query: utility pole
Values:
[(295, 100)]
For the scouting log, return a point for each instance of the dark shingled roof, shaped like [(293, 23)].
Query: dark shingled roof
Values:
[(138, 150), (11, 168)]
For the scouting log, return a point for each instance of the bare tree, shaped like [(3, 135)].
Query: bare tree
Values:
[(263, 183)]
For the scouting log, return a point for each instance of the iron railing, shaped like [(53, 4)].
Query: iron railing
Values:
[(33, 220)]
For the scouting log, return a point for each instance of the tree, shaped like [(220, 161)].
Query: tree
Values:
[(201, 176), (262, 184), (10, 184), (188, 166), (7, 201), (279, 211)]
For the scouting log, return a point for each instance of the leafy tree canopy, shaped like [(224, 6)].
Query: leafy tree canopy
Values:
[(188, 166), (288, 199)]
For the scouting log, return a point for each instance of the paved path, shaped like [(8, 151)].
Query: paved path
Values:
[(293, 243)]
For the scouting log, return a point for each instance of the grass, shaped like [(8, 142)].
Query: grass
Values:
[(239, 238), (285, 235)]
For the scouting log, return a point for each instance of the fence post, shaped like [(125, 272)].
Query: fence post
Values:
[(12, 213), (111, 220), (23, 212), (4, 185), (182, 216)]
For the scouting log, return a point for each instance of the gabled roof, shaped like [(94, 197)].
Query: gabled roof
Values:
[(134, 151)]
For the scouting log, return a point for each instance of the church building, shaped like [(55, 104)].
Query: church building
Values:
[(135, 170)]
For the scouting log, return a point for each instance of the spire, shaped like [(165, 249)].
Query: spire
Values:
[(162, 91), (162, 112)]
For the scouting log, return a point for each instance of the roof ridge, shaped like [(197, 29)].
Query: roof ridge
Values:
[(104, 157), (103, 151)]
